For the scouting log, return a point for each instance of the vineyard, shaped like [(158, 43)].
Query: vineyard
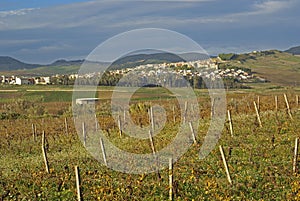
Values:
[(258, 141)]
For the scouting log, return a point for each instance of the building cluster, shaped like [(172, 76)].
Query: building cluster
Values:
[(201, 68), (18, 80), (207, 69)]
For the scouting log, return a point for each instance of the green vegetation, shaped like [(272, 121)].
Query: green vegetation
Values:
[(279, 68), (227, 57), (259, 159)]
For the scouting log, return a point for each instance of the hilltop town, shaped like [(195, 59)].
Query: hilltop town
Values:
[(209, 69)]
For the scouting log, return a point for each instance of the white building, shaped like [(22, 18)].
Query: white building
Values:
[(22, 81)]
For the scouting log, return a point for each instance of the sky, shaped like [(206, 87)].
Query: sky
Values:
[(36, 31)]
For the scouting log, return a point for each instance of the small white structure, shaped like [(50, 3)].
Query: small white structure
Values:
[(22, 81), (82, 101)]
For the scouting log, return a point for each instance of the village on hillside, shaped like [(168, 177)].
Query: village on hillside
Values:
[(201, 68)]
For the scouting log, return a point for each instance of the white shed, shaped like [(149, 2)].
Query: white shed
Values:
[(21, 81), (82, 101)]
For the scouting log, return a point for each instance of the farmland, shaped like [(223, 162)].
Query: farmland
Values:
[(260, 159)]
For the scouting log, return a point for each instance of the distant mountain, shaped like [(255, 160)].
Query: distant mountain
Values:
[(142, 59), (294, 50), (154, 58), (9, 63), (63, 62)]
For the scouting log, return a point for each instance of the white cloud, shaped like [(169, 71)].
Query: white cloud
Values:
[(19, 41), (83, 25), (265, 8), (47, 48), (271, 6), (19, 12)]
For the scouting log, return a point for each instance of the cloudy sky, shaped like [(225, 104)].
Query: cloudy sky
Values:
[(43, 31)]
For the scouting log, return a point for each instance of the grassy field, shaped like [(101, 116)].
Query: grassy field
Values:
[(279, 68), (259, 159)]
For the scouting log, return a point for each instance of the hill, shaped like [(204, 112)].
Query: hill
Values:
[(294, 50), (278, 67), (9, 63), (67, 67), (142, 59)]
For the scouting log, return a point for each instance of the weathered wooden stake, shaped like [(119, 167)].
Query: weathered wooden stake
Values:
[(120, 125), (84, 133), (66, 126), (151, 142), (297, 100), (295, 155), (103, 151), (276, 103), (257, 114), (193, 132), (96, 123), (170, 179), (152, 119), (77, 174), (225, 165), (174, 115), (44, 153), (288, 106), (230, 123), (33, 132), (212, 112), (185, 111)]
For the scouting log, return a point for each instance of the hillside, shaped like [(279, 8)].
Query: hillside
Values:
[(142, 59), (9, 63), (67, 67), (294, 50), (278, 67)]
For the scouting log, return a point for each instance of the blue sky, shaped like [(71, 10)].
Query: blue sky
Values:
[(42, 31)]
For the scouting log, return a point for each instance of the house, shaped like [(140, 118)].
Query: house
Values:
[(22, 81), (42, 80)]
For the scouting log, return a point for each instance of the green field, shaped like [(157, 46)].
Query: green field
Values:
[(260, 160), (279, 68)]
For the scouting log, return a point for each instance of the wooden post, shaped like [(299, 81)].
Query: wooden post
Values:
[(120, 125), (77, 174), (151, 142), (185, 111), (35, 129), (96, 123), (44, 152), (152, 120), (297, 100), (193, 132), (212, 112), (295, 155), (66, 126), (103, 151), (257, 114), (84, 133), (170, 179), (230, 123), (174, 115), (33, 132), (225, 165), (288, 106), (276, 103)]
